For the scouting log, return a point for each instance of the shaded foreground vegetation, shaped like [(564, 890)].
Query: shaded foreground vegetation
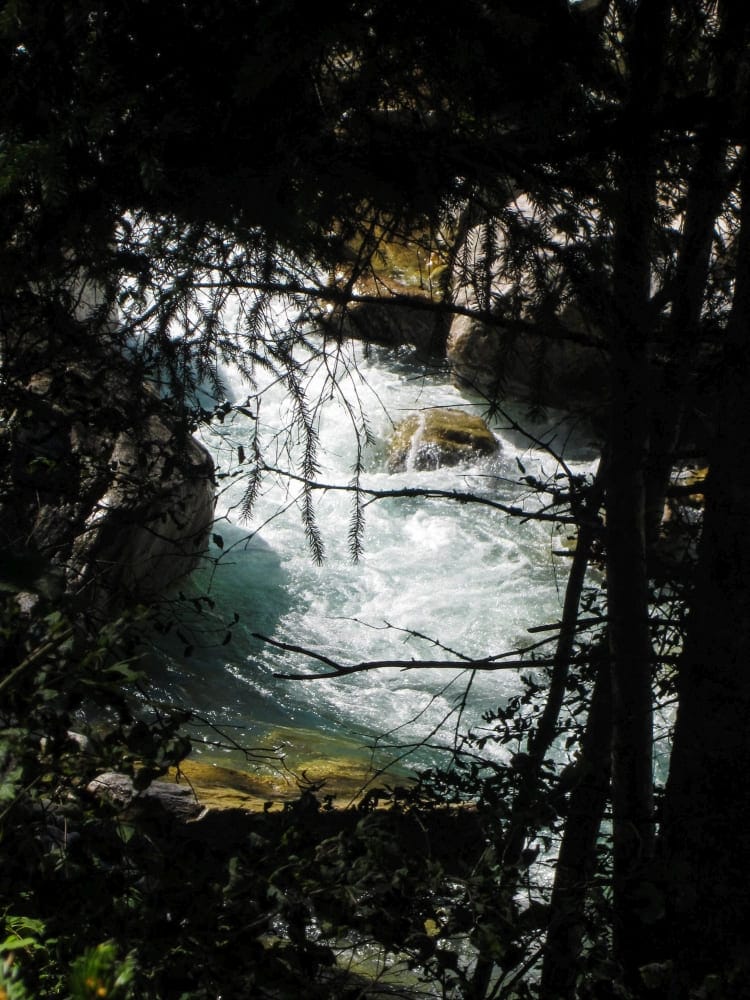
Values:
[(169, 190)]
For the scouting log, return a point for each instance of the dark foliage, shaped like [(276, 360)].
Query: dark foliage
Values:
[(164, 181)]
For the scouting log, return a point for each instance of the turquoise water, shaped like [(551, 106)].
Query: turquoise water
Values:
[(469, 580)]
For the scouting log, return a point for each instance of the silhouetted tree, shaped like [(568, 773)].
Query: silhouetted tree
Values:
[(155, 172)]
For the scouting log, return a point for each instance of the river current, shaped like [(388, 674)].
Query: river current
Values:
[(435, 580)]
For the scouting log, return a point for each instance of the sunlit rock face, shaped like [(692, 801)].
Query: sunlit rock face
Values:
[(510, 343), (151, 524), (535, 366), (101, 485), (439, 437)]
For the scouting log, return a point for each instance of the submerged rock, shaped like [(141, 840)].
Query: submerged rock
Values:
[(439, 437)]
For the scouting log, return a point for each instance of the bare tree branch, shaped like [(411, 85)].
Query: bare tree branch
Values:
[(343, 670), (425, 493)]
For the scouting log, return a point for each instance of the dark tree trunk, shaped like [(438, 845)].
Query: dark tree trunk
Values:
[(705, 840), (631, 656), (674, 390), (542, 737), (627, 576), (704, 847), (576, 863)]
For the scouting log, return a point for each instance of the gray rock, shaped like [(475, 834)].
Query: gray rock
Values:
[(546, 363), (529, 366), (389, 323), (103, 491), (177, 801), (151, 524)]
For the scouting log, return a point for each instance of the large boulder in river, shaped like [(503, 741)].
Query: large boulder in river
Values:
[(102, 484), (390, 323), (433, 438), (548, 368), (542, 353)]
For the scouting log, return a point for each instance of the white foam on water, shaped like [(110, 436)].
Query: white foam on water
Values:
[(464, 575)]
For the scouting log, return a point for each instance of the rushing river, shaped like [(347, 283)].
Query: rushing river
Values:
[(463, 576)]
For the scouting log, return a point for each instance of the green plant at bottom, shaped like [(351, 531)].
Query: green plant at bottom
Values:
[(97, 974)]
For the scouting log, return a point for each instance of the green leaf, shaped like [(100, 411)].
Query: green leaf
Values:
[(14, 943), (124, 672), (14, 923)]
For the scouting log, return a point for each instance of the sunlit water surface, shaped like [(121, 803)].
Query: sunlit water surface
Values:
[(467, 579)]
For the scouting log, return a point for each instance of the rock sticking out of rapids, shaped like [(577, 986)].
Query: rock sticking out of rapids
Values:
[(440, 437)]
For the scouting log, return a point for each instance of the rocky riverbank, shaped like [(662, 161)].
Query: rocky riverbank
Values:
[(105, 497)]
